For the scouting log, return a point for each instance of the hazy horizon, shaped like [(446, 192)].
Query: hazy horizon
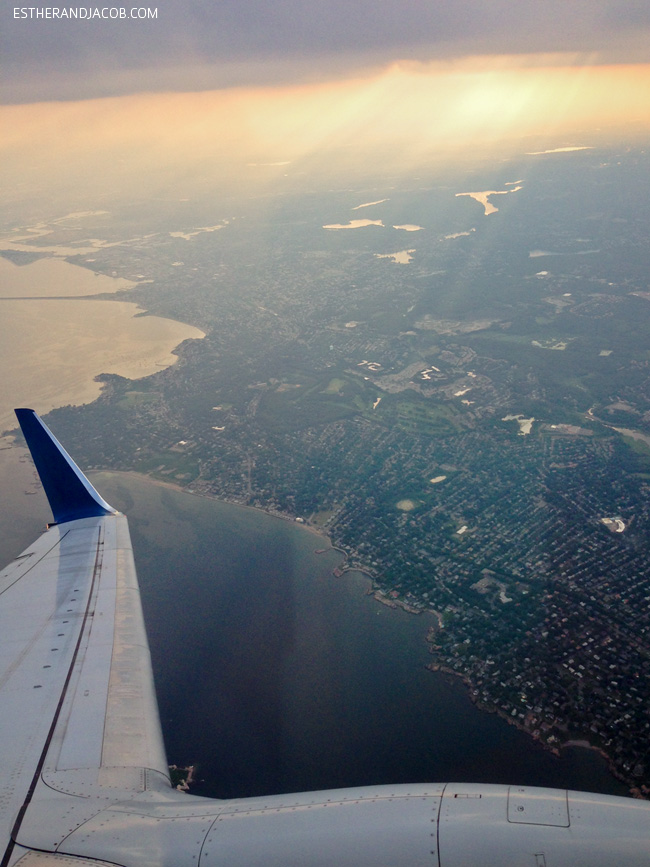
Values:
[(248, 99)]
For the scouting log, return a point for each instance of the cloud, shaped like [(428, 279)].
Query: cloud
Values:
[(241, 141), (200, 44)]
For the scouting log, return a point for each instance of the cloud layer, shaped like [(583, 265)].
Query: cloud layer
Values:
[(204, 44)]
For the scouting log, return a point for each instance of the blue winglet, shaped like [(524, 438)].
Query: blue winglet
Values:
[(70, 494)]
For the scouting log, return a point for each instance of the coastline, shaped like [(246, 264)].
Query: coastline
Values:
[(582, 743), (380, 596), (232, 502)]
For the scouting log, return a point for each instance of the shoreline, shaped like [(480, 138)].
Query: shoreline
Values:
[(380, 596), (205, 496), (581, 743)]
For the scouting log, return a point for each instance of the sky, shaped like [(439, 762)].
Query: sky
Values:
[(243, 83), (209, 44)]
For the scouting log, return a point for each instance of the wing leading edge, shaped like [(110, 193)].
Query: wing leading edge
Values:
[(83, 775)]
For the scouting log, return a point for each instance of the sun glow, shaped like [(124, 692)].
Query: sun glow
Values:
[(398, 118)]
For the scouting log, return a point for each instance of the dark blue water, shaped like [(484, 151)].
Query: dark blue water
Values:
[(274, 676)]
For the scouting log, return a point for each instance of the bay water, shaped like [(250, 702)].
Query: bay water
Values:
[(273, 675)]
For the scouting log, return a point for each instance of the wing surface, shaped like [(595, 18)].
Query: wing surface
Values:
[(78, 712)]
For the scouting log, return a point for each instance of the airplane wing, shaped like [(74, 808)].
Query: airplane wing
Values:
[(83, 773), (79, 720)]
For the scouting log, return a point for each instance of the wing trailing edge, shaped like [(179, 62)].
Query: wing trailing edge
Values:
[(70, 494)]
